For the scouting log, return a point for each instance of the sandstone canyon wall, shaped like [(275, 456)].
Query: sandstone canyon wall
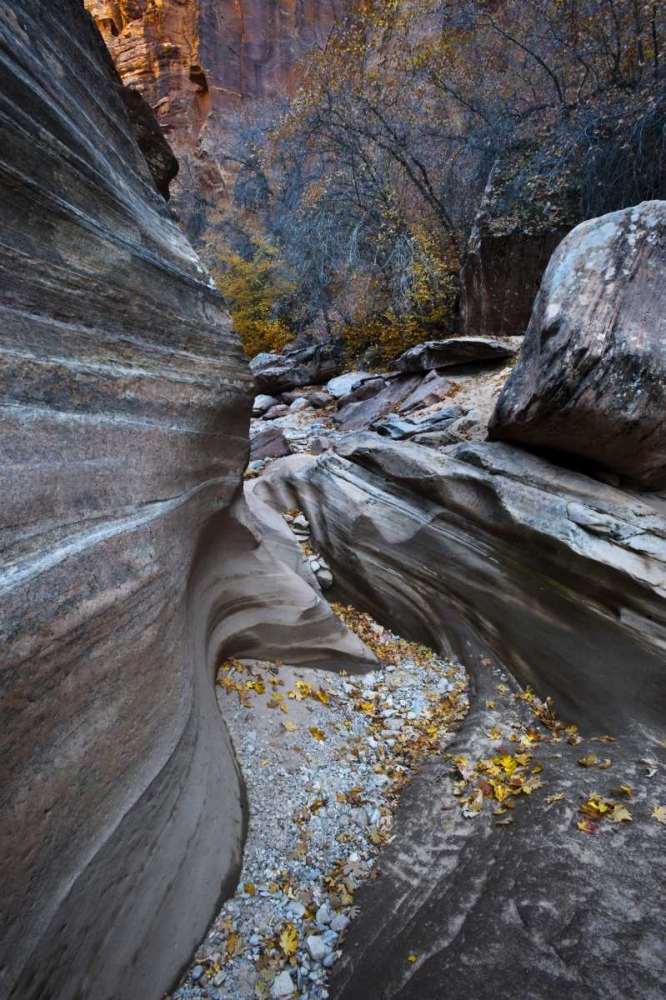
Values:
[(203, 65), (123, 432), (127, 554)]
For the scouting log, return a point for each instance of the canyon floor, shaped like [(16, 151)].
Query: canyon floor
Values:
[(358, 785)]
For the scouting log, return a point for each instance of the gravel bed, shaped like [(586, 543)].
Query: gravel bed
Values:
[(324, 757)]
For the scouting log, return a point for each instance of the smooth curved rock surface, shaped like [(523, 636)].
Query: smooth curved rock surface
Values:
[(591, 378), (498, 557), (563, 577), (436, 354), (126, 403)]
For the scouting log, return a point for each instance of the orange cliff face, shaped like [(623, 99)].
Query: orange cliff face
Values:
[(202, 65)]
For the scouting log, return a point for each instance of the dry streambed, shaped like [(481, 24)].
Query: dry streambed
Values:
[(324, 757)]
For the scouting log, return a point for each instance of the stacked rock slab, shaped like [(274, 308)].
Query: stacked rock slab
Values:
[(591, 378), (127, 556)]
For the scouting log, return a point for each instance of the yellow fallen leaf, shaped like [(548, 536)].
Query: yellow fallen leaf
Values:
[(605, 764), (234, 945), (411, 958), (555, 797), (589, 760), (289, 940), (659, 813), (620, 814), (291, 727), (627, 789), (318, 734), (249, 889), (321, 696)]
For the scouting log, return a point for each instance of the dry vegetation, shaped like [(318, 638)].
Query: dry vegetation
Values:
[(358, 197)]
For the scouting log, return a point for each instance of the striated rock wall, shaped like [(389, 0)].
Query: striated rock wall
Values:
[(126, 555), (202, 64)]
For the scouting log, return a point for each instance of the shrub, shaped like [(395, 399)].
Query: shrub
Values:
[(256, 290)]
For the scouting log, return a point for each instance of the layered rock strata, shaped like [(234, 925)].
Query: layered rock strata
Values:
[(562, 577), (502, 559), (124, 436), (591, 379)]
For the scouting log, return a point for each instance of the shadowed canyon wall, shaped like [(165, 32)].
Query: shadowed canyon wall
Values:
[(130, 563), (124, 423), (203, 65)]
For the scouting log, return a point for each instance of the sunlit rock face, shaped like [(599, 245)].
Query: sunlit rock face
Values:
[(202, 65), (124, 434)]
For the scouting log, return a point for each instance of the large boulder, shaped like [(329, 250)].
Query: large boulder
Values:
[(454, 351), (591, 378), (125, 572)]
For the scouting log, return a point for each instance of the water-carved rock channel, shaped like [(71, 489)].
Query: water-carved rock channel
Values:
[(353, 688)]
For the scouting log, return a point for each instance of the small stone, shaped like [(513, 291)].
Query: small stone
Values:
[(361, 818), (325, 578), (301, 403), (323, 914), (218, 979), (316, 947), (329, 960), (301, 521), (339, 923), (197, 973), (283, 987)]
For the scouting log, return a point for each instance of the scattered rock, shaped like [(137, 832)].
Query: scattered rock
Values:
[(432, 389), (280, 410), (300, 403), (366, 390), (262, 403), (402, 428), (343, 384), (453, 351), (269, 443), (283, 987), (360, 414), (296, 367)]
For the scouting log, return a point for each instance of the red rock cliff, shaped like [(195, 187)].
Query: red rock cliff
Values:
[(200, 63)]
